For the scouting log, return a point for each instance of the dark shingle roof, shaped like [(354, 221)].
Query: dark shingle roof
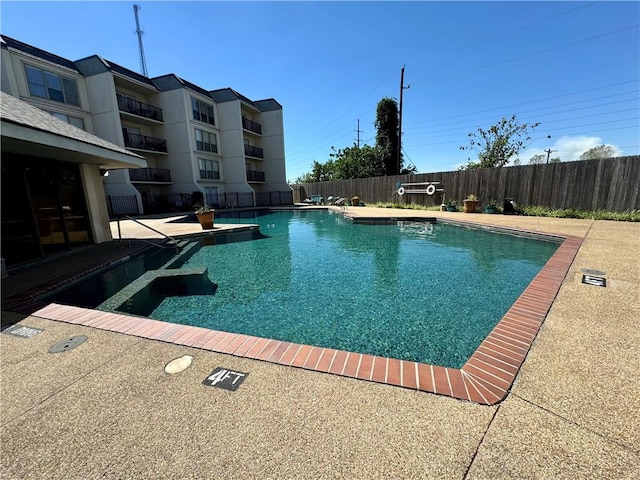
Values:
[(36, 52), (229, 95), (14, 110), (129, 73)]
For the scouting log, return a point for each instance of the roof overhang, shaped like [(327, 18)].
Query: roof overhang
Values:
[(28, 141), (28, 130)]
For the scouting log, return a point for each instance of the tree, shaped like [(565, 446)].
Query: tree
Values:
[(387, 135), (601, 151), (357, 162), (496, 145), (538, 159), (320, 172), (555, 160)]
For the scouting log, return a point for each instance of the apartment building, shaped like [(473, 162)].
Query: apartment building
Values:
[(214, 144)]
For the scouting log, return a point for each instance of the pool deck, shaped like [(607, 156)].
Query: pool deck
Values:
[(107, 409)]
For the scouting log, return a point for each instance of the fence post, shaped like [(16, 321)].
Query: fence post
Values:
[(119, 233), (110, 205)]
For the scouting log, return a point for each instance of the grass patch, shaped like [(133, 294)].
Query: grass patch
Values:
[(405, 206), (628, 216), (535, 211)]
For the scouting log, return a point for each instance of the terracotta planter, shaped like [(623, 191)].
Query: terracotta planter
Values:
[(470, 206), (206, 220)]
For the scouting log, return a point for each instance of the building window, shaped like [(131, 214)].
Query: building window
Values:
[(49, 85), (75, 121), (206, 141), (202, 111), (209, 169)]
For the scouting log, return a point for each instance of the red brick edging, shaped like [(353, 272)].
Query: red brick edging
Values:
[(486, 378)]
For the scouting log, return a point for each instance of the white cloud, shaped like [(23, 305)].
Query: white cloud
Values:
[(568, 148)]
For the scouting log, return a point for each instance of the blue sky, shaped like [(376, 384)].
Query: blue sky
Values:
[(572, 66)]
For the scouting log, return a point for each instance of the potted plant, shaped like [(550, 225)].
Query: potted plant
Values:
[(470, 203), (492, 207), (452, 206), (355, 200), (205, 216)]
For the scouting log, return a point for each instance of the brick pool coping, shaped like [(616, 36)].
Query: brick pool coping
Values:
[(485, 378)]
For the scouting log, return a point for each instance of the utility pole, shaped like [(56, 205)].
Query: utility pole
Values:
[(402, 87), (358, 132), (548, 151), (143, 62)]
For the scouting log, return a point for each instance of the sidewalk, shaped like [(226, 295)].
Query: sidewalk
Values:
[(107, 409)]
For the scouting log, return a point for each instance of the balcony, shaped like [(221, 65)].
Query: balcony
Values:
[(252, 126), (255, 176), (251, 151), (143, 142), (134, 107), (162, 175)]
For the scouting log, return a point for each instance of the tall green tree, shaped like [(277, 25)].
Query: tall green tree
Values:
[(538, 159), (357, 162), (601, 151), (320, 172), (387, 135), (499, 143)]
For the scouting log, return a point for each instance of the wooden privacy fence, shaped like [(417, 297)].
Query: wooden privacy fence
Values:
[(607, 184)]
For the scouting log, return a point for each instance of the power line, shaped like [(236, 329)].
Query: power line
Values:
[(535, 101), (540, 51), (439, 133), (563, 129), (546, 108), (524, 27), (345, 112)]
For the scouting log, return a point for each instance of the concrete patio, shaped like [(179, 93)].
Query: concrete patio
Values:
[(107, 409)]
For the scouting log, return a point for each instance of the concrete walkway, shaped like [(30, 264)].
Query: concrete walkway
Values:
[(107, 409)]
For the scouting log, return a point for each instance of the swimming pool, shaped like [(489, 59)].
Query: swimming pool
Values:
[(413, 291)]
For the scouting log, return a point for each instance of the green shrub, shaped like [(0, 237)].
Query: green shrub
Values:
[(537, 211), (627, 216)]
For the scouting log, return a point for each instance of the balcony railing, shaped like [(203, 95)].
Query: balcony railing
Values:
[(135, 107), (252, 126), (255, 176), (142, 142), (150, 175), (251, 151)]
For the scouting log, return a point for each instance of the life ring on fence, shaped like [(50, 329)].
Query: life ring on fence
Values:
[(401, 191), (431, 189)]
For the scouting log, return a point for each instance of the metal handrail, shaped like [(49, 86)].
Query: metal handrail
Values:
[(175, 242)]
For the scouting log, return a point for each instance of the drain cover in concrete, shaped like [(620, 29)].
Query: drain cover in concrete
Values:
[(22, 331), (179, 364), (225, 378), (597, 281), (67, 344)]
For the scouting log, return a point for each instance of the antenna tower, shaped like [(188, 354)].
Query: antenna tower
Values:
[(143, 62)]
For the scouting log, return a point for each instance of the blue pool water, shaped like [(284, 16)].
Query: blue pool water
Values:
[(419, 292)]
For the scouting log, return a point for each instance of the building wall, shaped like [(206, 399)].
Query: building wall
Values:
[(96, 206), (104, 107), (235, 172), (176, 130), (14, 82), (273, 144), (101, 116)]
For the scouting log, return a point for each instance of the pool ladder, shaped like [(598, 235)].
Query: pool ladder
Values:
[(169, 238)]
